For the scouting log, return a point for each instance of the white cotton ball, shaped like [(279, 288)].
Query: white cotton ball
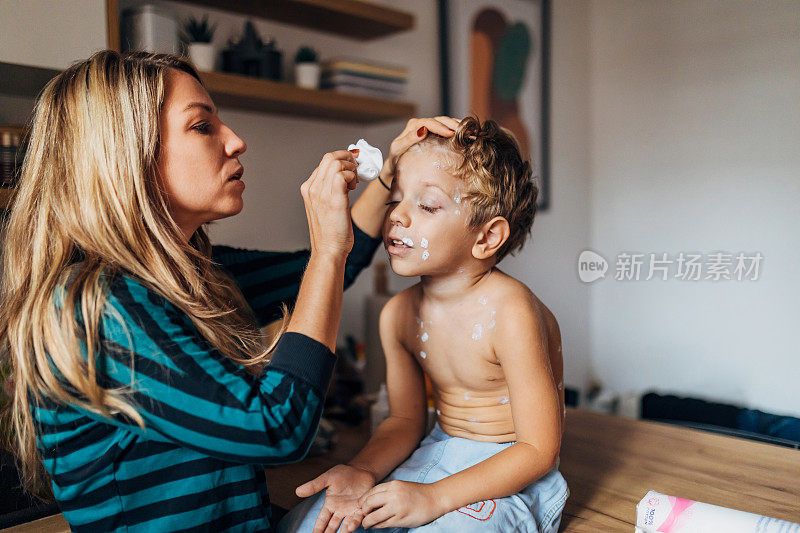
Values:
[(370, 160)]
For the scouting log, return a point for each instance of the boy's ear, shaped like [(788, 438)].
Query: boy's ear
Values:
[(490, 238)]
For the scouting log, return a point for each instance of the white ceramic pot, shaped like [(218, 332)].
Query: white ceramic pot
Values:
[(203, 55), (307, 75)]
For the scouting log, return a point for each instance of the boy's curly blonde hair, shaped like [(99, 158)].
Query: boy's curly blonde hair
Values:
[(497, 179)]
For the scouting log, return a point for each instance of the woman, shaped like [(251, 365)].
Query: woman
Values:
[(141, 380)]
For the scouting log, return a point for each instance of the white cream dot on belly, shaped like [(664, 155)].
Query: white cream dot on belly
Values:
[(477, 332)]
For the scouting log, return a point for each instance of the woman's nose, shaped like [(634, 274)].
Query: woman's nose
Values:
[(234, 145)]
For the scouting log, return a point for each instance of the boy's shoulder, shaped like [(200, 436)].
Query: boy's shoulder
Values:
[(516, 299), (402, 305)]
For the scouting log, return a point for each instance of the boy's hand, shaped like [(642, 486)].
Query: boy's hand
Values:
[(344, 484), (400, 504)]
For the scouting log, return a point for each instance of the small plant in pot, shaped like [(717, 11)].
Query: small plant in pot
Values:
[(306, 68), (198, 35)]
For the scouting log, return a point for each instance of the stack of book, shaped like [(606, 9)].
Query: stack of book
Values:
[(364, 78)]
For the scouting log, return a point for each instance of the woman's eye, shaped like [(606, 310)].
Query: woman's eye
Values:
[(428, 208), (203, 127)]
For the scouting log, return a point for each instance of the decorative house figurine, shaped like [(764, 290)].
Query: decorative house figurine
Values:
[(251, 57)]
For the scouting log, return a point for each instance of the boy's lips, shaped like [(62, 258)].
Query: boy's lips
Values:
[(397, 247)]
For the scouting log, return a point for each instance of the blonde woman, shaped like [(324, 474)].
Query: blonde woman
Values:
[(142, 383)]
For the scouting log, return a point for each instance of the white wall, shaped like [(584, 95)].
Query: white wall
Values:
[(51, 33), (695, 129), (547, 263)]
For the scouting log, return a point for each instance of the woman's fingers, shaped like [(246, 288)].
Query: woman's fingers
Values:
[(352, 522)]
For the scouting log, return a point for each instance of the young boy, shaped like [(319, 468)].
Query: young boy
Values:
[(490, 347)]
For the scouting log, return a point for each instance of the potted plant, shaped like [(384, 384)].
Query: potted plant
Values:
[(198, 34), (306, 68)]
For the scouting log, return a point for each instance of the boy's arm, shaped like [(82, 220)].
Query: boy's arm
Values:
[(522, 349), (393, 440), (398, 435)]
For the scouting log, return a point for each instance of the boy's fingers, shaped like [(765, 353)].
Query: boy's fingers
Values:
[(376, 517), (311, 487), (322, 520), (333, 524)]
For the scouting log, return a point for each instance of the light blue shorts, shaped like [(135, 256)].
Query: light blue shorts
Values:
[(536, 509)]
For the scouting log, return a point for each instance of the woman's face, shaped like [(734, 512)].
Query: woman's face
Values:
[(199, 156)]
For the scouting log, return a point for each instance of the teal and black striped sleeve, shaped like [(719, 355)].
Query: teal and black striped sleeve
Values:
[(191, 394), (269, 279)]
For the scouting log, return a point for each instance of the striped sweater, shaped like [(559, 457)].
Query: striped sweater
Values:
[(209, 426)]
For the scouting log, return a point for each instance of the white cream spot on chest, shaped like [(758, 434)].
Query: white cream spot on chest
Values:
[(477, 331)]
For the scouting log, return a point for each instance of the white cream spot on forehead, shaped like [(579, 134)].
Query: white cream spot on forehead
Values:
[(423, 355), (477, 332), (423, 242), (424, 337)]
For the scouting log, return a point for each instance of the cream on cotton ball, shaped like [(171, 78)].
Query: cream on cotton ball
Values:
[(370, 160)]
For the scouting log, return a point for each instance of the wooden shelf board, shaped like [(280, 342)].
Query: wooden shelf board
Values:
[(233, 90), (356, 19)]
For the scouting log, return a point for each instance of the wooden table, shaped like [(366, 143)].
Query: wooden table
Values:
[(610, 463)]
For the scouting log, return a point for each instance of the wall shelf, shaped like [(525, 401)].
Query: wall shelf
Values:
[(356, 19), (233, 90)]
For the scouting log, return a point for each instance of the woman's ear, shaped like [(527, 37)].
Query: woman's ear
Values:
[(491, 238)]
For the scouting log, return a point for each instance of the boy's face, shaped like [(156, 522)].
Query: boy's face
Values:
[(425, 229)]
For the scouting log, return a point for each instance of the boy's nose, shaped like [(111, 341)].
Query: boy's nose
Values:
[(399, 216)]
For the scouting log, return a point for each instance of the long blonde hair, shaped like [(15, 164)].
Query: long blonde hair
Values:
[(90, 205)]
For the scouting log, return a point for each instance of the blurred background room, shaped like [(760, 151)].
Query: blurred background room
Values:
[(665, 136)]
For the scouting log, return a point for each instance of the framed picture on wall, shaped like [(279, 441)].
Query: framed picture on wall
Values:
[(495, 64)]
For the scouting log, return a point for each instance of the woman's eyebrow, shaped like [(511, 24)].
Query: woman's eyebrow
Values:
[(201, 105)]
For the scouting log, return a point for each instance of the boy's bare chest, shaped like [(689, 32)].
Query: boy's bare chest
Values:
[(454, 347)]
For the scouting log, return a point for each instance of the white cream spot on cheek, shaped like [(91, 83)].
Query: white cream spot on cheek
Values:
[(483, 300), (425, 255), (423, 355), (407, 241), (424, 337), (423, 242), (503, 400), (477, 332)]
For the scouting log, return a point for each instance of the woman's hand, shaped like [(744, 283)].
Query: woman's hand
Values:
[(400, 504), (345, 484), (325, 195), (416, 129)]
